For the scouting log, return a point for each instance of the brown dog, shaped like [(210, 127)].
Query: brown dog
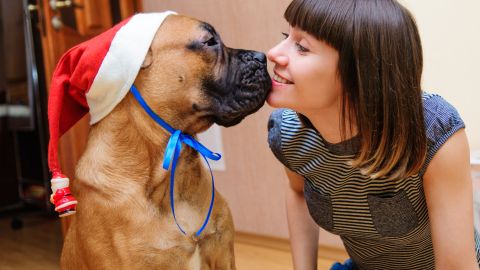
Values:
[(124, 221)]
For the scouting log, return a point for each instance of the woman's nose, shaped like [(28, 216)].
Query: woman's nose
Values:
[(277, 56)]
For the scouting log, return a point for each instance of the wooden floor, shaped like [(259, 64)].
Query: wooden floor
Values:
[(37, 247), (251, 257), (34, 247)]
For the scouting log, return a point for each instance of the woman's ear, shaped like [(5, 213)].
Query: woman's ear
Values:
[(148, 59)]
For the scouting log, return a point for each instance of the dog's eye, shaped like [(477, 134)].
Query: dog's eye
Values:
[(210, 42)]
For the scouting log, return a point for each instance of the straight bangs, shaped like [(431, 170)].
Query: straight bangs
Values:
[(329, 20)]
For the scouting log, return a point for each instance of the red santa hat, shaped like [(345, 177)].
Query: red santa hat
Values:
[(96, 75)]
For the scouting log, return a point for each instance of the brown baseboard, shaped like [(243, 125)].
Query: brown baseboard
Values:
[(327, 252)]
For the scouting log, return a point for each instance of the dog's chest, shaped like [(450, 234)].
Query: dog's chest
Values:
[(191, 218), (195, 261)]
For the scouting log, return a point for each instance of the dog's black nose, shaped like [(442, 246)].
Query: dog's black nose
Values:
[(260, 57)]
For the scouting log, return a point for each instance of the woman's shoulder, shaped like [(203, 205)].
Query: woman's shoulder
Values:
[(285, 119), (441, 117), (288, 124), (290, 138), (283, 114), (279, 118), (442, 120)]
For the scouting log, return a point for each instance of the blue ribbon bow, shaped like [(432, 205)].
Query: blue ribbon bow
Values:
[(174, 147)]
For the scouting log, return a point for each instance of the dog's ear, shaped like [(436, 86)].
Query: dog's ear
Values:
[(148, 59)]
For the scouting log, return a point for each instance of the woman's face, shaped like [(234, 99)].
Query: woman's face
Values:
[(305, 75)]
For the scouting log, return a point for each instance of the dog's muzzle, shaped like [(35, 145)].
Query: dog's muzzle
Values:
[(242, 87)]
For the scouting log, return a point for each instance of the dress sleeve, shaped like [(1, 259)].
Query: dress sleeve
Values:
[(275, 135), (442, 120)]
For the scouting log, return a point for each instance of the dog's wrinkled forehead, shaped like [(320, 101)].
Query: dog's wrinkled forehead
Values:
[(190, 33), (183, 39)]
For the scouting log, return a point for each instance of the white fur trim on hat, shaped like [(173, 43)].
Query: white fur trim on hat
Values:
[(122, 63)]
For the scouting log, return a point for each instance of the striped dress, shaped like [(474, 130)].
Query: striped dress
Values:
[(383, 224)]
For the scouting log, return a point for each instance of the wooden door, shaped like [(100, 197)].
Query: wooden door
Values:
[(63, 24)]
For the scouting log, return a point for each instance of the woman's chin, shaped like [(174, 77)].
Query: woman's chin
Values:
[(275, 100)]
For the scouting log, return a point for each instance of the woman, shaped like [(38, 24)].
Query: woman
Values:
[(370, 157)]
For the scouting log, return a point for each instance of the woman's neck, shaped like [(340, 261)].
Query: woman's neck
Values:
[(327, 123)]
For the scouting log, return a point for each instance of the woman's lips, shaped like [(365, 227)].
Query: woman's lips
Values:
[(278, 80), (275, 83)]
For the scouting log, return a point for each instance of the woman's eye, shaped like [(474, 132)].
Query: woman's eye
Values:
[(285, 35), (211, 42), (300, 48)]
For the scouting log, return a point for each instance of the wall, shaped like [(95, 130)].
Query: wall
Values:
[(254, 182), (450, 32)]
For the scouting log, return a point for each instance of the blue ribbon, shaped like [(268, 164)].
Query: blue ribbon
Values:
[(172, 152)]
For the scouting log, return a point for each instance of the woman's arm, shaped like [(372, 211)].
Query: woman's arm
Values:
[(303, 230), (448, 191)]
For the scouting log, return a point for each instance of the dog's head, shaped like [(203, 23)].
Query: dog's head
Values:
[(190, 78)]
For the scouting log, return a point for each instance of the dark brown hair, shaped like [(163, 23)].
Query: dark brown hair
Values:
[(380, 67)]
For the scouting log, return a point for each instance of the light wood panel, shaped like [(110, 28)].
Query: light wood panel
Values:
[(93, 18), (254, 182)]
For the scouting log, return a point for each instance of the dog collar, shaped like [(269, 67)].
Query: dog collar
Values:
[(172, 152)]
